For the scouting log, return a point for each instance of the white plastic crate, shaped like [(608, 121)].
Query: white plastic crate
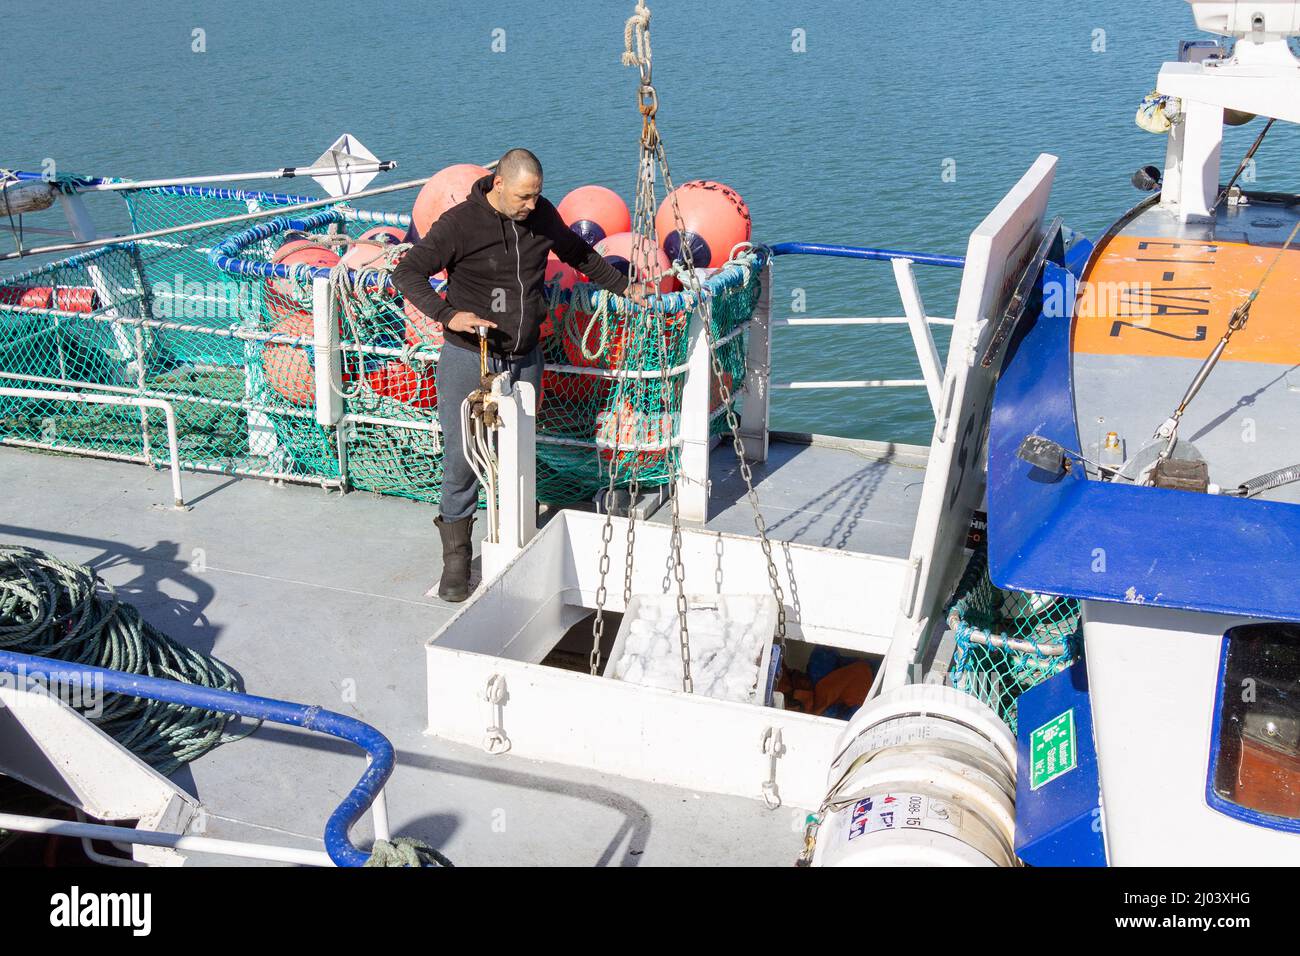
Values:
[(742, 618)]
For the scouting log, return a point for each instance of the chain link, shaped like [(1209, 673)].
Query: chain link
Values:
[(652, 154), (705, 304), (606, 535)]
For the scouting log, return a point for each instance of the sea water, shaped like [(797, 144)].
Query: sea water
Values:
[(877, 122)]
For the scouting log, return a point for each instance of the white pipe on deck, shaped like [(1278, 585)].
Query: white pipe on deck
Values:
[(128, 400), (174, 841)]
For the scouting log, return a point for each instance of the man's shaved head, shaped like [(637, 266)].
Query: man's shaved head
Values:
[(518, 184), (518, 162)]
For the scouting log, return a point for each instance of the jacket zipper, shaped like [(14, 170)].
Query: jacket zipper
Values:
[(519, 275)]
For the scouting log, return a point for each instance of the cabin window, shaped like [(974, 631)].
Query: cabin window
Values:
[(1255, 763)]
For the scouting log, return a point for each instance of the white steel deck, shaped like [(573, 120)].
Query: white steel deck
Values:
[(319, 598)]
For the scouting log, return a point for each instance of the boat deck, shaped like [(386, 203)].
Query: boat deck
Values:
[(319, 597), (1157, 299)]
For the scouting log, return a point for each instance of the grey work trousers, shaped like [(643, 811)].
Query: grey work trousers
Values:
[(457, 376)]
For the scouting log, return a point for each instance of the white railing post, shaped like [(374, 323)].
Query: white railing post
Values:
[(262, 440), (516, 450), (693, 464), (755, 412), (922, 339), (327, 362)]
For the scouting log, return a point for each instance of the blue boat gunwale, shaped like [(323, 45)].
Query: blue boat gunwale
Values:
[(1245, 553)]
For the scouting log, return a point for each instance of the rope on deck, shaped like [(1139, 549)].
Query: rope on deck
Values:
[(65, 611), (405, 851)]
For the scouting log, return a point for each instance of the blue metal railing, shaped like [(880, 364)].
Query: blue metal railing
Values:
[(227, 256), (69, 183), (310, 717), (864, 252)]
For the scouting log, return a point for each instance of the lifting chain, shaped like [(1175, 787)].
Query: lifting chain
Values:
[(653, 155), (733, 423)]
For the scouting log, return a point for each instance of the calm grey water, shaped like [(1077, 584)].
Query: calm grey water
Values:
[(845, 142)]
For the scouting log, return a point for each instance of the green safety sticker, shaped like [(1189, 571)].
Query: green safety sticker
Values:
[(1052, 751)]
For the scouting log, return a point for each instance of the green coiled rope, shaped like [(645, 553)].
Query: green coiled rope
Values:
[(53, 609), (405, 851)]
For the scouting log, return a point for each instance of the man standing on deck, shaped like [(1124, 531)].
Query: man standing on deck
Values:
[(494, 247)]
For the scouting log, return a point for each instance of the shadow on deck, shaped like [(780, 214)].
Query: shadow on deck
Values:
[(316, 597)]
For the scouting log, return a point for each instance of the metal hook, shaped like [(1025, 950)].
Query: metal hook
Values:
[(773, 748), (495, 740)]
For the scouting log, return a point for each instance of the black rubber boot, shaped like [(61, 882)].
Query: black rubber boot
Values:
[(457, 552)]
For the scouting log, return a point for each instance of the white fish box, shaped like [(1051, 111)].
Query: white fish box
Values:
[(487, 685), (720, 666)]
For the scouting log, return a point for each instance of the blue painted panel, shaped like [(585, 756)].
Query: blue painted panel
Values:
[(1116, 542), (1059, 824), (1076, 260)]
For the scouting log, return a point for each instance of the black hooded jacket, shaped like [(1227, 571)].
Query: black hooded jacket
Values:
[(495, 269)]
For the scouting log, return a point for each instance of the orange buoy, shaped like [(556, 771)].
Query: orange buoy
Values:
[(288, 368), (589, 329), (447, 187), (420, 329), (622, 248), (290, 245), (400, 381), (594, 212), (281, 298), (566, 277), (562, 272), (624, 425), (713, 219), (69, 298), (364, 254)]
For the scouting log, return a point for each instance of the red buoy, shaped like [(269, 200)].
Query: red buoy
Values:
[(566, 277), (586, 326), (594, 212), (288, 368), (292, 245), (622, 248), (400, 381), (281, 299), (68, 298), (713, 220), (448, 187), (365, 254), (624, 425), (562, 272)]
